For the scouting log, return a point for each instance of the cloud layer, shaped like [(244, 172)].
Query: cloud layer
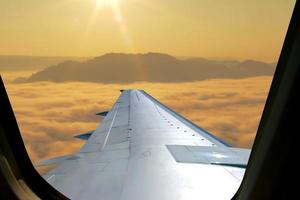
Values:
[(49, 114)]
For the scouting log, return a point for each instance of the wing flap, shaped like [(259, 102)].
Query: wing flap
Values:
[(55, 160), (234, 157), (84, 136), (103, 114)]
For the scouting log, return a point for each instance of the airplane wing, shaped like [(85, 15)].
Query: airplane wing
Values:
[(144, 150)]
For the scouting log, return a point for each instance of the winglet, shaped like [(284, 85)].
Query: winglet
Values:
[(84, 136)]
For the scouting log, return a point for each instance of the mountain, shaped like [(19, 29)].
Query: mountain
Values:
[(21, 63), (151, 67)]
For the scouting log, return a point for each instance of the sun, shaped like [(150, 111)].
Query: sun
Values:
[(116, 14)]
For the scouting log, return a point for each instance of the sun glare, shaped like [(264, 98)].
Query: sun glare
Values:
[(117, 15), (100, 3)]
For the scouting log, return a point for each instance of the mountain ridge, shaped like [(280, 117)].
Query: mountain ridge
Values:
[(150, 67)]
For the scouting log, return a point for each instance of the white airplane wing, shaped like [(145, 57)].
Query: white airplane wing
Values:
[(144, 150)]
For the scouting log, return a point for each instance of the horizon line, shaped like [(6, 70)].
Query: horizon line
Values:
[(216, 58)]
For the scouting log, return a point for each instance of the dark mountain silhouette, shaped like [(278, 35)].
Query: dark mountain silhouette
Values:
[(151, 67)]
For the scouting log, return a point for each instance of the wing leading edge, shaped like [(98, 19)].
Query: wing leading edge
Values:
[(144, 150)]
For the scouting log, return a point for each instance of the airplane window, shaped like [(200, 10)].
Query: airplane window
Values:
[(65, 62)]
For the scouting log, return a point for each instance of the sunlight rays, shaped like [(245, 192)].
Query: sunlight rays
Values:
[(113, 5), (122, 25), (100, 3)]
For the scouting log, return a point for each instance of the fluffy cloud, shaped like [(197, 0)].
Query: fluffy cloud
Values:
[(49, 114)]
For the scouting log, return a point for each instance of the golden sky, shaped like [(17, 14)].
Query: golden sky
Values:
[(49, 114), (225, 29)]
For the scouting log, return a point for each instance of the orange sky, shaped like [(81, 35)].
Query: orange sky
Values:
[(251, 29), (225, 29)]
